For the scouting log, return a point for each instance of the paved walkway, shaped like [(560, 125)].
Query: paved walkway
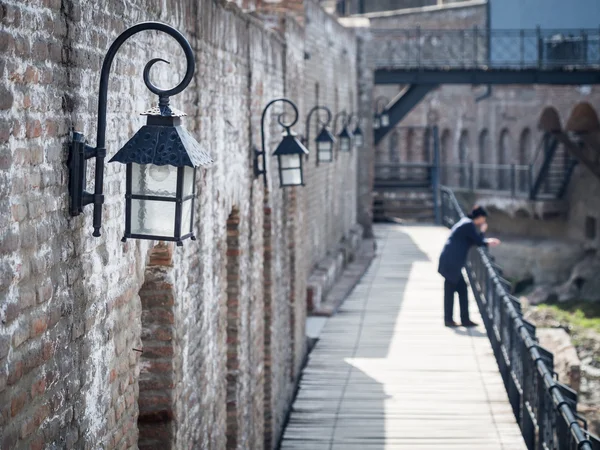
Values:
[(386, 373)]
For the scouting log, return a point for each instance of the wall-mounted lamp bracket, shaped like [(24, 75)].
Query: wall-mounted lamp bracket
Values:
[(260, 164)]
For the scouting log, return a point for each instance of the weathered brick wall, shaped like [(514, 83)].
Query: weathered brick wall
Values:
[(70, 310)]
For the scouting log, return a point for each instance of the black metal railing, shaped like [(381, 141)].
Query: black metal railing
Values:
[(544, 408), (403, 175), (482, 48)]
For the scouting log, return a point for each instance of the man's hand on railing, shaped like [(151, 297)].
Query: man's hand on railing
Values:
[(492, 242)]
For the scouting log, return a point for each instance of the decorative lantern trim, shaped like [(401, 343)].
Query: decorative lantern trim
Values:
[(161, 145), (290, 145), (325, 136)]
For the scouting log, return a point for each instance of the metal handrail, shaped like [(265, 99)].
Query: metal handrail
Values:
[(541, 49), (544, 408)]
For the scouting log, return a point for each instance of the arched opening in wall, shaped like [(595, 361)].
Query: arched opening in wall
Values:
[(463, 158), (233, 328), (268, 397), (426, 148), (446, 158), (394, 155), (504, 160), (409, 141), (156, 420), (483, 172), (525, 155)]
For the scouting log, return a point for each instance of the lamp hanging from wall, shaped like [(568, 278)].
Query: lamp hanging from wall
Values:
[(325, 140), (290, 151), (161, 158), (359, 138), (382, 117), (345, 136)]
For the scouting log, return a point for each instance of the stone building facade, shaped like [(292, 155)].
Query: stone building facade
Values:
[(495, 126), (109, 345)]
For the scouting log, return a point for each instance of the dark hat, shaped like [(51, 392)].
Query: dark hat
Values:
[(478, 211)]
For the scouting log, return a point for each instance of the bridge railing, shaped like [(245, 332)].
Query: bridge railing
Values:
[(544, 408), (482, 48), (512, 180), (403, 175)]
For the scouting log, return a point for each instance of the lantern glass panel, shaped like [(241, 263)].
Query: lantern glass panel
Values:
[(324, 152), (359, 141), (186, 217), (345, 144), (149, 179), (291, 161), (376, 123), (291, 177), (385, 120), (188, 180), (151, 217)]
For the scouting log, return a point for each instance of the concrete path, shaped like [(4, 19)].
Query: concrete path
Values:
[(386, 373)]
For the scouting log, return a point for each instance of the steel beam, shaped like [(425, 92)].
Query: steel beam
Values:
[(486, 76)]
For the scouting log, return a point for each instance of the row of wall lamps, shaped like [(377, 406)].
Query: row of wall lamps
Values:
[(291, 150), (381, 119), (162, 157)]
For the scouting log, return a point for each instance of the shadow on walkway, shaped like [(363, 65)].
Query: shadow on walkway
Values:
[(386, 373)]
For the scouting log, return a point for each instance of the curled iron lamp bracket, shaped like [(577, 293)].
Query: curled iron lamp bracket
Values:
[(79, 151), (285, 125), (325, 124)]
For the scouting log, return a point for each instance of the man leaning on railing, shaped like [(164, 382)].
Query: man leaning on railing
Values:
[(465, 233)]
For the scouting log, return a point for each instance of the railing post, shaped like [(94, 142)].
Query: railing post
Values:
[(472, 176), (538, 34), (419, 46), (462, 47), (530, 181), (513, 180), (475, 51), (436, 173), (522, 48), (585, 44)]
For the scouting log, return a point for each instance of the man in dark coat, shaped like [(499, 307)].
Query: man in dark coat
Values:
[(465, 233)]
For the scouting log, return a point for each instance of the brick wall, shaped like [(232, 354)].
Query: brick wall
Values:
[(75, 309)]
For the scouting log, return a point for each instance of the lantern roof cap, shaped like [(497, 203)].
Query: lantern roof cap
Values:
[(325, 136), (164, 143), (345, 133), (290, 145)]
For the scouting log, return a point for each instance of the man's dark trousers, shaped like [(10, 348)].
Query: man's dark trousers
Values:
[(449, 289)]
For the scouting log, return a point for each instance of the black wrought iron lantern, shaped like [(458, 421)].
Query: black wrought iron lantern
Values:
[(290, 152), (345, 136), (161, 164), (161, 158), (359, 138), (325, 140), (382, 117)]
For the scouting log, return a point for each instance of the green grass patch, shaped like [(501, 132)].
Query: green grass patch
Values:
[(580, 314)]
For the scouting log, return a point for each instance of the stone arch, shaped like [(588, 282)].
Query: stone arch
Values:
[(445, 156), (484, 153), (524, 157), (409, 143), (504, 158), (393, 150), (463, 157), (550, 120), (233, 327), (583, 119), (425, 151)]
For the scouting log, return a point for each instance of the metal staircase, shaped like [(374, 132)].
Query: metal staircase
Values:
[(402, 104), (551, 169)]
